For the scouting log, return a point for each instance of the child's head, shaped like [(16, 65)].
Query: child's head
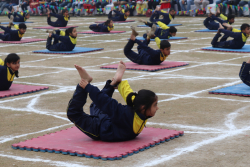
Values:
[(165, 47), (245, 28), (172, 30), (71, 32), (127, 12), (22, 28), (65, 12), (109, 23), (13, 61), (26, 15), (230, 19), (172, 11), (145, 102)]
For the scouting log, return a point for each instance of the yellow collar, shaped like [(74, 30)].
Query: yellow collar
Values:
[(170, 17), (110, 28), (244, 37), (73, 40), (125, 17), (163, 57), (10, 74), (66, 18), (20, 35)]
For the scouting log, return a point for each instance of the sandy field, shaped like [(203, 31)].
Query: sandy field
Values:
[(217, 128)]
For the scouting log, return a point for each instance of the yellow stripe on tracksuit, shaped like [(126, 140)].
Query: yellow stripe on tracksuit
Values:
[(125, 89), (73, 40), (10, 77), (1, 62)]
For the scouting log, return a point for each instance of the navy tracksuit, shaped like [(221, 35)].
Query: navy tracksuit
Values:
[(61, 21), (10, 35), (145, 55), (65, 44), (108, 119), (100, 28), (118, 17), (244, 73), (162, 34), (210, 24), (4, 83), (17, 17), (166, 17), (237, 43)]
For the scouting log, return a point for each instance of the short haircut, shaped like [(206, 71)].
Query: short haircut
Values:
[(244, 26), (126, 10), (164, 44), (171, 9), (229, 17), (172, 29), (22, 26)]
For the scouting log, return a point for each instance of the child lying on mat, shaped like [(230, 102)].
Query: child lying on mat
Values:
[(240, 37), (104, 27), (210, 23), (119, 15), (16, 17), (8, 70), (164, 32), (62, 19), (244, 72), (13, 35), (68, 39), (108, 119), (167, 17), (147, 55)]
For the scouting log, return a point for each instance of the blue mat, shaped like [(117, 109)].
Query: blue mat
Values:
[(75, 51), (159, 26), (16, 22), (237, 90), (245, 49), (171, 38), (206, 30)]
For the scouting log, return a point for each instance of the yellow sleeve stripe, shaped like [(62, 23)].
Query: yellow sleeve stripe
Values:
[(223, 16), (158, 42), (16, 27), (1, 62), (62, 33), (124, 89), (162, 25), (235, 30)]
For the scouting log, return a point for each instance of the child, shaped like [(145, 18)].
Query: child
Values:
[(164, 32), (18, 17), (105, 27), (8, 69), (109, 120), (244, 72), (119, 15), (167, 17), (210, 23), (62, 20), (13, 35), (67, 38), (146, 55), (240, 37)]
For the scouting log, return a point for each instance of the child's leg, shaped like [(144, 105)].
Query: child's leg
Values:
[(94, 27), (84, 122), (152, 17), (215, 40), (4, 37), (6, 29), (110, 15), (149, 24), (54, 47), (224, 38), (131, 55), (244, 73), (56, 40), (9, 15), (50, 22)]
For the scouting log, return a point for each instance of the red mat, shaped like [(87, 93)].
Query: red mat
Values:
[(162, 66), (25, 40), (92, 32), (50, 27), (72, 141), (18, 89), (1, 32), (116, 21)]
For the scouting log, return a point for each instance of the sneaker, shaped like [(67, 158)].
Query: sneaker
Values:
[(11, 18), (134, 31)]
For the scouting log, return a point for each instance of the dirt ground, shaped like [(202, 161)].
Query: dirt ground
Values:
[(217, 128)]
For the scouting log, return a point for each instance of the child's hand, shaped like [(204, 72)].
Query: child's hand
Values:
[(83, 83), (50, 34)]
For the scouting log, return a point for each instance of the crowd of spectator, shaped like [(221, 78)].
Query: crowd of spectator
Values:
[(142, 7)]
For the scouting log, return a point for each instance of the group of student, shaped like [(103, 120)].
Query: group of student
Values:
[(108, 119)]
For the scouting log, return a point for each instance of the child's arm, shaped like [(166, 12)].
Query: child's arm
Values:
[(158, 42), (235, 30), (60, 38), (16, 27), (116, 12), (146, 48), (162, 25), (1, 62), (223, 16), (230, 33), (124, 89), (56, 15)]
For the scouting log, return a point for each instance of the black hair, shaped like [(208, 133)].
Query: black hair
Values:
[(107, 22), (64, 11), (12, 58), (22, 26), (172, 29), (171, 9), (143, 98), (69, 30), (164, 44), (126, 10), (244, 26), (229, 17)]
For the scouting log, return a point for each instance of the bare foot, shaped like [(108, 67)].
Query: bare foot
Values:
[(132, 37), (248, 61), (83, 73), (119, 74), (134, 32)]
